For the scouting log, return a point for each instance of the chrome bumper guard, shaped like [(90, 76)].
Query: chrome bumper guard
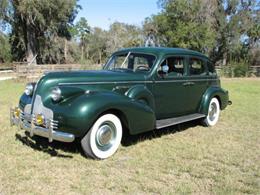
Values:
[(27, 122)]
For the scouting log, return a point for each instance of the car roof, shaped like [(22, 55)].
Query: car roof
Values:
[(162, 50)]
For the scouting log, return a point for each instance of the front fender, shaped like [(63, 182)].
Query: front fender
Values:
[(77, 115), (211, 92), (140, 92), (24, 100)]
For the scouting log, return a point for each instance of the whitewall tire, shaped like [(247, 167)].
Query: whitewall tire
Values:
[(104, 138), (213, 113)]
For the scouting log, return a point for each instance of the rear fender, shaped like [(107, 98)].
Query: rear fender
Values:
[(219, 93)]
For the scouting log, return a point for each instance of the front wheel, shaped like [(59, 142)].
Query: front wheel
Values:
[(104, 138), (213, 113)]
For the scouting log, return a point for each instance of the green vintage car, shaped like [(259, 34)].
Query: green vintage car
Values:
[(137, 90)]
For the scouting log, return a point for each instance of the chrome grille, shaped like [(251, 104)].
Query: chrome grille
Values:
[(25, 116), (49, 130)]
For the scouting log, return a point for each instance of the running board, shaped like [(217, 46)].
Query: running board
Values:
[(173, 121)]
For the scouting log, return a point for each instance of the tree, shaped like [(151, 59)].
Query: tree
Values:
[(122, 35), (183, 23), (83, 32), (223, 29), (5, 12), (37, 27), (5, 54), (234, 22), (97, 45)]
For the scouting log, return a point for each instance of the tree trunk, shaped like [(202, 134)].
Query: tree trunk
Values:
[(82, 52), (30, 44), (100, 56), (87, 52), (224, 61), (65, 50)]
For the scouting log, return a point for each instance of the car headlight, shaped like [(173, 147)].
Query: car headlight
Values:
[(56, 94), (29, 89)]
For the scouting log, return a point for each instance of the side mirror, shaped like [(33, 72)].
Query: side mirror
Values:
[(165, 68)]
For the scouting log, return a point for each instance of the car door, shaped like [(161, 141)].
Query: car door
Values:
[(169, 88), (197, 82)]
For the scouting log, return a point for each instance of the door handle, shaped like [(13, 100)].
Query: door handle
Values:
[(188, 83)]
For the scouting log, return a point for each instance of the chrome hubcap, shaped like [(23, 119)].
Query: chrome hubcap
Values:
[(105, 136), (213, 111)]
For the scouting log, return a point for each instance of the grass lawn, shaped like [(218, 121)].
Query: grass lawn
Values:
[(187, 158)]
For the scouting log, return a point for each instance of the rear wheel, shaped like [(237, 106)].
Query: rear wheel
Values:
[(213, 113), (104, 138)]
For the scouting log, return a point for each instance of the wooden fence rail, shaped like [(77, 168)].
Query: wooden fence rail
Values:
[(253, 71), (34, 72)]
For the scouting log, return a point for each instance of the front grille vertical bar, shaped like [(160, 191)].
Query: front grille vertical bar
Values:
[(20, 120), (32, 125), (50, 131)]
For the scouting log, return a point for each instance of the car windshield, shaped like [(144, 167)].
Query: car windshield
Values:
[(130, 62)]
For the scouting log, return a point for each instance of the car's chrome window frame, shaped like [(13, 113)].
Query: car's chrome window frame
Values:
[(132, 52), (185, 71), (204, 64)]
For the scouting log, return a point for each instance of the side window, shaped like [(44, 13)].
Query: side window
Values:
[(175, 66), (211, 68), (141, 62), (197, 67)]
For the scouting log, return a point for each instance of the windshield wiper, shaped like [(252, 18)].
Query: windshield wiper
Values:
[(122, 65)]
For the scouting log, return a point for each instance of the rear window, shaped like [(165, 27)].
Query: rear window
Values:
[(197, 66), (211, 68)]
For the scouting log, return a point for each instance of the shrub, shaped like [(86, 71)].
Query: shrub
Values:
[(240, 69), (235, 69)]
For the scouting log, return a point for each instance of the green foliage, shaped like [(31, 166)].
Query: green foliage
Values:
[(82, 28), (241, 69), (97, 44), (226, 30), (183, 23), (122, 35), (4, 13), (236, 69), (5, 54), (82, 31), (39, 26)]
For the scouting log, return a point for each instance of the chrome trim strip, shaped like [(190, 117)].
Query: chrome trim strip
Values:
[(28, 109), (102, 82), (137, 82), (39, 108), (187, 80)]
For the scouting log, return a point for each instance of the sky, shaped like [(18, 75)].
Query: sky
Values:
[(102, 13)]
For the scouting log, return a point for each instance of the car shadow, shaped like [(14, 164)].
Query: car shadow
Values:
[(43, 145), (57, 149), (129, 140)]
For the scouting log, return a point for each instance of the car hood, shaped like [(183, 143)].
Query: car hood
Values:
[(93, 76), (86, 80)]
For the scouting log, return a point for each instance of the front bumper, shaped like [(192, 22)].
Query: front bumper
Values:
[(50, 129)]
